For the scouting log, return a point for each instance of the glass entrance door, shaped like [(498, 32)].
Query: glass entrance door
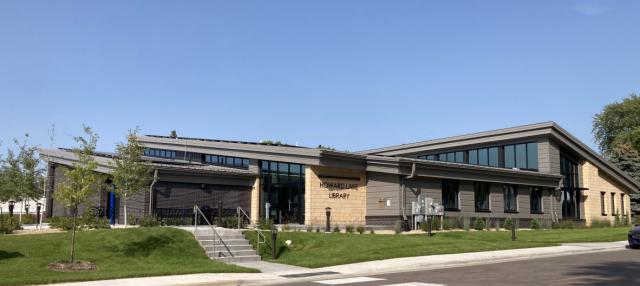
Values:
[(282, 196)]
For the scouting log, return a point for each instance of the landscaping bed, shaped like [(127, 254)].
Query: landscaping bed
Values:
[(310, 249), (116, 253)]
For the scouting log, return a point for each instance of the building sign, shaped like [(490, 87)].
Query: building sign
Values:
[(339, 187)]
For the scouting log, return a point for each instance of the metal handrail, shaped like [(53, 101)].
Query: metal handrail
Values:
[(196, 211), (264, 239), (240, 212)]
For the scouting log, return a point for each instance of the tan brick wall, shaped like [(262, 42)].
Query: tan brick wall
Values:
[(597, 183), (350, 209)]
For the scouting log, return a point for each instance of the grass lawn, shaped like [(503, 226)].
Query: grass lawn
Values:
[(326, 249), (117, 253)]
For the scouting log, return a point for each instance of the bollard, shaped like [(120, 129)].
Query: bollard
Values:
[(513, 230), (12, 204), (274, 242), (38, 209), (328, 212)]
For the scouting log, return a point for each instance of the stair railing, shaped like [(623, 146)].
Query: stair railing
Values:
[(217, 239), (262, 239)]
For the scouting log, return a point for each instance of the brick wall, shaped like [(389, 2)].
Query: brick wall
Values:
[(598, 183)]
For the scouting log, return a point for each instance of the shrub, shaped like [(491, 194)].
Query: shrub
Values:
[(620, 220), (28, 219), (360, 229), (466, 223), (600, 223), (448, 223), (317, 229), (336, 229), (149, 221), (397, 227), (534, 224), (371, 231), (508, 223), (265, 223), (62, 222), (349, 228), (309, 228), (92, 222), (132, 219), (479, 224), (232, 222), (9, 224), (625, 220)]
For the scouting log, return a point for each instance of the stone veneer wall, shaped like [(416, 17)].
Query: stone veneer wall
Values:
[(597, 183), (351, 210)]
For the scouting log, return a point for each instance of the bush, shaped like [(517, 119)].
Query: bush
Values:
[(508, 223), (9, 224), (452, 223), (309, 228), (149, 221), (132, 219), (317, 229), (336, 229), (232, 222), (479, 224), (265, 223), (534, 224), (397, 227), (28, 219), (360, 229), (86, 221), (600, 223), (92, 222), (371, 231), (349, 228), (621, 220), (61, 222)]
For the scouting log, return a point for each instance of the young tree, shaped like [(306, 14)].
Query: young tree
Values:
[(130, 174), (80, 181), (31, 173)]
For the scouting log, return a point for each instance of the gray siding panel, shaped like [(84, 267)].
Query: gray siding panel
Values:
[(380, 188)]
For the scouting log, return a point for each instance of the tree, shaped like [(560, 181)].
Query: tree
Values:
[(173, 134), (80, 180), (130, 173), (22, 174)]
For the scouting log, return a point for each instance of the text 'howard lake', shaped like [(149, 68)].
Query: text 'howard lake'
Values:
[(338, 186)]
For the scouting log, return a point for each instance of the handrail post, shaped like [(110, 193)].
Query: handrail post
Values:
[(195, 219), (238, 216)]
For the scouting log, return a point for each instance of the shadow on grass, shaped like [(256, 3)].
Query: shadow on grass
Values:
[(144, 247), (9, 255)]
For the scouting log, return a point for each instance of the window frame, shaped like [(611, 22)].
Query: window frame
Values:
[(448, 186), (476, 190), (506, 188), (603, 205), (613, 204)]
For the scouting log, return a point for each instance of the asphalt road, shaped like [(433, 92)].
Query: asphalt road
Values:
[(602, 268)]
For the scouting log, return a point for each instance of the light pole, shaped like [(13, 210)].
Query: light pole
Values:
[(12, 204)]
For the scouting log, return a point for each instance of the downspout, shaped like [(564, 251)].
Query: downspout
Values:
[(155, 179), (404, 191)]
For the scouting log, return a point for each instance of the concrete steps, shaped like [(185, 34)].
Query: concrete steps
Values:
[(235, 248)]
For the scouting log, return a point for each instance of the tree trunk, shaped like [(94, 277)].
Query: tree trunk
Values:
[(124, 196), (73, 236)]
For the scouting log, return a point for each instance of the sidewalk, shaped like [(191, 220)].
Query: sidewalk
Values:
[(274, 273)]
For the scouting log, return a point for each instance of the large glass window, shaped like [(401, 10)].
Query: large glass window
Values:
[(483, 157), (226, 161), (283, 188), (459, 157), (160, 153), (510, 198), (451, 157), (536, 200), (521, 156), (450, 194), (473, 157), (509, 156), (532, 155), (481, 194), (493, 157)]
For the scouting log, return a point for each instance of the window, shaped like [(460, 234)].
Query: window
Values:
[(532, 155), (622, 204), (431, 157), (510, 198), (450, 194), (536, 200), (481, 194), (459, 157), (521, 156), (160, 153), (493, 157), (442, 157), (483, 157), (473, 157), (613, 203), (602, 208), (228, 161), (509, 156)]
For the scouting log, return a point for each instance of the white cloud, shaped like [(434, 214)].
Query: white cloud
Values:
[(591, 8)]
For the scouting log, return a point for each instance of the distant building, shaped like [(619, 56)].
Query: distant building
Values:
[(534, 171)]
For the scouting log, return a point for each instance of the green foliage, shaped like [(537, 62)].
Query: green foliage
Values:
[(21, 175), (508, 223), (265, 223), (466, 223), (271, 142), (371, 231), (534, 224), (232, 222), (130, 174), (360, 229), (452, 223), (326, 147), (479, 224), (28, 219), (9, 224), (86, 221), (149, 221), (600, 223), (173, 134), (309, 228), (317, 229), (286, 227), (617, 131), (349, 228), (397, 226), (336, 229)]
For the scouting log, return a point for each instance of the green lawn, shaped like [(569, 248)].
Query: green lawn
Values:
[(117, 253), (326, 249)]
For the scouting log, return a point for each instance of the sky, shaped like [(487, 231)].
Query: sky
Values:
[(352, 75)]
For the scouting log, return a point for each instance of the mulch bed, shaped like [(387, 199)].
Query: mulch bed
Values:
[(68, 267)]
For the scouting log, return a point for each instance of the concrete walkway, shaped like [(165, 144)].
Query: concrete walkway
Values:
[(274, 273)]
